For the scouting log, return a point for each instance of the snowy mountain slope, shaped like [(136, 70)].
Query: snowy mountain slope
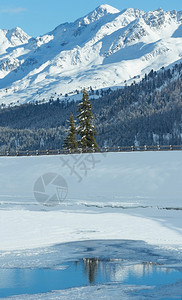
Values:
[(103, 49)]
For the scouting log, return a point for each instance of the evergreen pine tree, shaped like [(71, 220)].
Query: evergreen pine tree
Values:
[(70, 142), (86, 129)]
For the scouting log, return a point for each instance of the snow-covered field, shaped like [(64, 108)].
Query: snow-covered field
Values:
[(113, 196)]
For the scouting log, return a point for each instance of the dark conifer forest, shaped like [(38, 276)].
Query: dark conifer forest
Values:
[(145, 113)]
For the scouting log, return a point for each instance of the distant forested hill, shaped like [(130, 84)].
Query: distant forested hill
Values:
[(149, 112)]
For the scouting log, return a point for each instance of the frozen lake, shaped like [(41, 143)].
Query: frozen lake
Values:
[(114, 231), (135, 265)]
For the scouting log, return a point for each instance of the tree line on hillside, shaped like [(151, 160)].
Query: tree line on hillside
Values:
[(149, 112)]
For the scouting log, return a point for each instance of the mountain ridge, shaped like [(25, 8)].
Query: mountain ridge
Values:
[(106, 48)]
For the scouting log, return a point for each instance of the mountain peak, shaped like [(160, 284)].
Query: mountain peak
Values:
[(107, 9), (16, 30), (99, 12), (17, 36)]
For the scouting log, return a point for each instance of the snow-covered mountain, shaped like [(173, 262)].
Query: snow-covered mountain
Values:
[(103, 49)]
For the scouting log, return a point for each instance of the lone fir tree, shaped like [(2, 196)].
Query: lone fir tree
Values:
[(86, 129), (70, 142)]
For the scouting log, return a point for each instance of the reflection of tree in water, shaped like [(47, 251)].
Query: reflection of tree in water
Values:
[(91, 266)]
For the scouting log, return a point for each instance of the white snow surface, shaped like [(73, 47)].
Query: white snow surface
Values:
[(109, 292), (131, 196), (103, 49)]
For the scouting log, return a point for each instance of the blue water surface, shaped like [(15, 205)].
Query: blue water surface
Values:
[(82, 273)]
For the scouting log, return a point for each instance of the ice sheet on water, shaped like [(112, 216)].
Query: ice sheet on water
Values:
[(105, 292), (52, 257), (110, 292)]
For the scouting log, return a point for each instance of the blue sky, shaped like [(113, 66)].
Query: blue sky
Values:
[(38, 17)]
